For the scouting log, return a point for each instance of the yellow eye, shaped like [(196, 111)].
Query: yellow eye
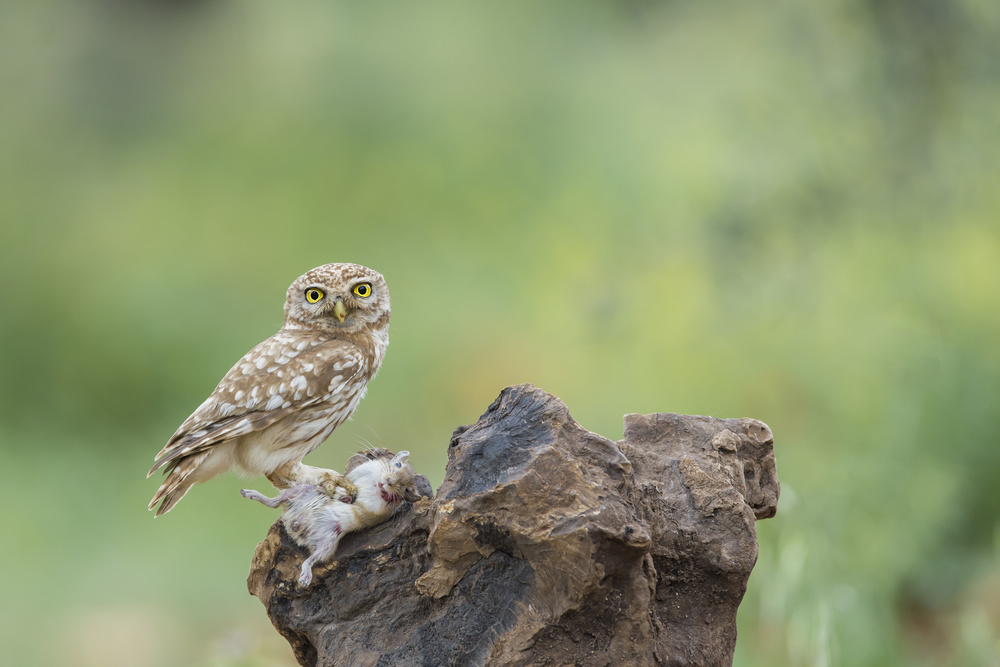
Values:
[(313, 295), (363, 289)]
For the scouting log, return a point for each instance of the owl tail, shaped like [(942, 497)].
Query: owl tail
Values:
[(177, 482)]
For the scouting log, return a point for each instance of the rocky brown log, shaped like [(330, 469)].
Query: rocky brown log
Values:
[(546, 544)]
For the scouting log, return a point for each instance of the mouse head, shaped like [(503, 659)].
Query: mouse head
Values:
[(399, 476)]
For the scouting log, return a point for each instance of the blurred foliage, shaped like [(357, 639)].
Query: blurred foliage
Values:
[(787, 211)]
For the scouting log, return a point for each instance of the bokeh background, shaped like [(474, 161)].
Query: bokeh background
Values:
[(782, 210)]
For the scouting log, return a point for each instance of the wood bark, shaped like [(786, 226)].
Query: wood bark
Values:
[(546, 544)]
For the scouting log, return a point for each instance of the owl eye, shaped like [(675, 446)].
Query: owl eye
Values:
[(398, 464), (363, 289), (313, 295)]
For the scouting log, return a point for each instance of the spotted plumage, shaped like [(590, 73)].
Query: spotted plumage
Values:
[(287, 394)]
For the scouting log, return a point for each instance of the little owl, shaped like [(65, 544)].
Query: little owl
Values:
[(285, 396)]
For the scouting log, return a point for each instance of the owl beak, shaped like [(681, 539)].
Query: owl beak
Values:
[(340, 310)]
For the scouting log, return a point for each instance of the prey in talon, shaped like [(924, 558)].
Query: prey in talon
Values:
[(317, 521)]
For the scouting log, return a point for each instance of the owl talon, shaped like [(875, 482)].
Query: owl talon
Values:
[(333, 482)]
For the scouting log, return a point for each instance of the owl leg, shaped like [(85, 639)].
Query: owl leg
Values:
[(334, 480), (300, 473)]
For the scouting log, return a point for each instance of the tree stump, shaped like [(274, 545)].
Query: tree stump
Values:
[(546, 544)]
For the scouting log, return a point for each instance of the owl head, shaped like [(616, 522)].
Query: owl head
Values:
[(339, 298)]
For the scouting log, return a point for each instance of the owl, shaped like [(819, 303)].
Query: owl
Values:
[(286, 395)]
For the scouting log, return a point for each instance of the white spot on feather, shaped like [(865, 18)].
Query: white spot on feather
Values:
[(261, 362), (299, 382), (275, 402)]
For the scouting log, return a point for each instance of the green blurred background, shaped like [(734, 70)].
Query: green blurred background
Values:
[(788, 211)]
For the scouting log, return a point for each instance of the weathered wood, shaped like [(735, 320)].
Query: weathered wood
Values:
[(546, 544)]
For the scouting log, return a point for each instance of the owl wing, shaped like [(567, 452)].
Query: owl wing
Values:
[(286, 373)]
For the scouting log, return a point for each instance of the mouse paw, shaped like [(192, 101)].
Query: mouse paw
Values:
[(306, 577)]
